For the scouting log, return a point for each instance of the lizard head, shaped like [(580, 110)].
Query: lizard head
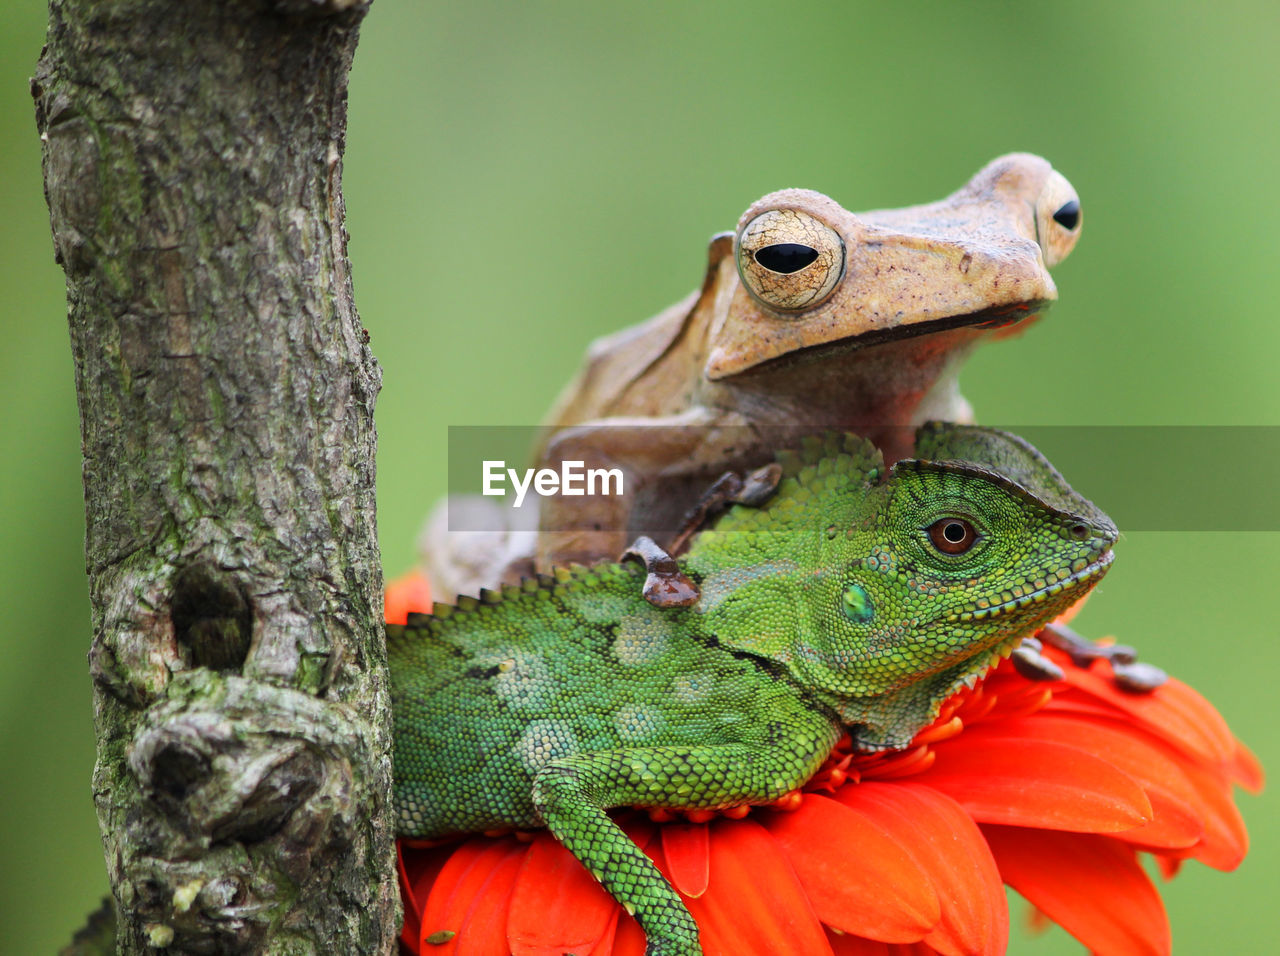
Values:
[(886, 593)]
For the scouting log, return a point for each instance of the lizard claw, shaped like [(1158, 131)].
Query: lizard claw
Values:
[(1130, 674)]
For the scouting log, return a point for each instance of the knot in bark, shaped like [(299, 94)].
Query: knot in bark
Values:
[(252, 787)]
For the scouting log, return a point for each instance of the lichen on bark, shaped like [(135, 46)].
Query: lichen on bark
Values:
[(192, 158)]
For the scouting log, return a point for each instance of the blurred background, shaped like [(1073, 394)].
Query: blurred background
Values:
[(522, 177)]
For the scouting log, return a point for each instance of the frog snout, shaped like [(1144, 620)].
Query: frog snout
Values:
[(920, 279)]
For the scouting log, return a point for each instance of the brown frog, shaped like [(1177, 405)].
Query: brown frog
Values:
[(809, 317)]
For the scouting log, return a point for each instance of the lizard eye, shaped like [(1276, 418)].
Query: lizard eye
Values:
[(1058, 219), (789, 260), (952, 535)]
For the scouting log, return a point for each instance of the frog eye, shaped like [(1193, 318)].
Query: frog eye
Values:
[(1058, 219), (952, 535), (789, 260), (1068, 215)]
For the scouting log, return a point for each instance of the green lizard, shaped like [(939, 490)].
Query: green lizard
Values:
[(854, 599)]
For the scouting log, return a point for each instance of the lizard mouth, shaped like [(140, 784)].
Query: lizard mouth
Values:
[(1090, 572), (994, 655)]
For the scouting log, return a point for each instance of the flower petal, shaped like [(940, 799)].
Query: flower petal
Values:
[(606, 945), (687, 847), (419, 867), (857, 946), (754, 903), (1246, 769), (484, 931), (1038, 783), (410, 929), (858, 875), (947, 843), (629, 939), (844, 945), (1149, 761), (557, 906), (1173, 711), (409, 592), (1092, 886), (467, 897), (1225, 841)]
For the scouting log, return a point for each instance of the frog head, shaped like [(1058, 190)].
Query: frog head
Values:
[(802, 277)]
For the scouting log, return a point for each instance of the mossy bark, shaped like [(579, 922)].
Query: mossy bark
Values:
[(192, 158)]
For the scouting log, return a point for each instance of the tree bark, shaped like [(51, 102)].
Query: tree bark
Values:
[(192, 161)]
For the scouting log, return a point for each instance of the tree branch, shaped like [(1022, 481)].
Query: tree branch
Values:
[(192, 159)]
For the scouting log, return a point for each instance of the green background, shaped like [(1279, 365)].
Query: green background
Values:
[(522, 177)]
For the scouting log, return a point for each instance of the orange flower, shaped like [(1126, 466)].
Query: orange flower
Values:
[(1053, 788), (409, 592)]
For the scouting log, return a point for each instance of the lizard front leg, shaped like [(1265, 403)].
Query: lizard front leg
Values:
[(571, 794)]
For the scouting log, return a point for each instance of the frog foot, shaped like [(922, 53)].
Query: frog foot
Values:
[(1032, 664), (1129, 673), (665, 585), (729, 489)]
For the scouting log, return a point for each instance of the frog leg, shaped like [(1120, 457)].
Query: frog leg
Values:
[(729, 489), (571, 794), (665, 464), (1033, 665), (665, 585), (1130, 673)]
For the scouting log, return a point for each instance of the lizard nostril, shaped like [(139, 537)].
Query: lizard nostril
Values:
[(1079, 531)]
